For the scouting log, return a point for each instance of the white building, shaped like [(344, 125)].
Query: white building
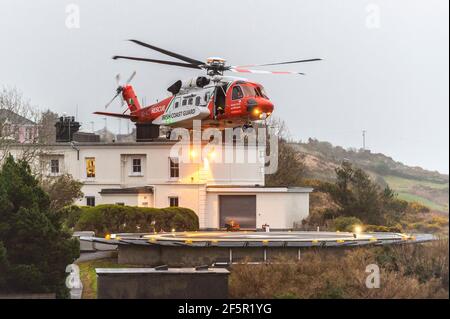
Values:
[(145, 174)]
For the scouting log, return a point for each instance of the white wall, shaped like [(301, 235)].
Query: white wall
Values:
[(277, 209)]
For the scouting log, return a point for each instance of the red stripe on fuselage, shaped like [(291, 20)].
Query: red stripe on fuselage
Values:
[(151, 112)]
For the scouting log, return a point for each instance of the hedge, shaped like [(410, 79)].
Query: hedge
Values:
[(346, 224), (106, 219)]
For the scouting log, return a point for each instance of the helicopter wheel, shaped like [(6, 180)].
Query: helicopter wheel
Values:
[(245, 127)]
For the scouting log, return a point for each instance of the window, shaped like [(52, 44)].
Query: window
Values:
[(184, 102), (28, 133), (90, 167), (174, 167), (90, 200), (177, 104), (237, 93), (191, 101), (249, 90), (54, 166), (173, 201), (137, 168), (197, 101)]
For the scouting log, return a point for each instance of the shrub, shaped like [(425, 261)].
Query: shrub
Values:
[(345, 223), (408, 271), (383, 229), (34, 248), (70, 215), (104, 219)]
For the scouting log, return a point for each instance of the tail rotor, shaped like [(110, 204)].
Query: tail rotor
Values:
[(120, 88)]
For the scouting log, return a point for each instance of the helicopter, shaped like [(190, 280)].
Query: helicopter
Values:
[(217, 100)]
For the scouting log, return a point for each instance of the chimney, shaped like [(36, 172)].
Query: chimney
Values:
[(65, 128)]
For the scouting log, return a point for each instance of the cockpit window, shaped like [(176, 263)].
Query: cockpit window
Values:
[(261, 91), (249, 90), (237, 93)]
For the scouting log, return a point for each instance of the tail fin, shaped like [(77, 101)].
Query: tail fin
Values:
[(130, 97)]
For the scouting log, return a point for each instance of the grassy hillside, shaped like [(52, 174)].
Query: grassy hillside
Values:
[(411, 183)]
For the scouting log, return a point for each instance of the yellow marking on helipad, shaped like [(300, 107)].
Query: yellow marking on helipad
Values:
[(340, 241)]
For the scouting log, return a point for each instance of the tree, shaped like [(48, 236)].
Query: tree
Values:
[(359, 197), (14, 109), (47, 129), (62, 191), (34, 248), (291, 168)]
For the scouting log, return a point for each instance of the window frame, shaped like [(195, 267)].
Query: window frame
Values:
[(174, 168), (134, 166), (93, 175), (232, 93), (176, 202), (88, 199), (52, 161)]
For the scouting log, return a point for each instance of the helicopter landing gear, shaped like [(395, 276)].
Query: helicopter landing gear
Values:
[(247, 126), (168, 133)]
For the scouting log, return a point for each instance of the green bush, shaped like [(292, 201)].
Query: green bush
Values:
[(345, 223), (70, 215), (34, 247), (383, 229), (105, 219)]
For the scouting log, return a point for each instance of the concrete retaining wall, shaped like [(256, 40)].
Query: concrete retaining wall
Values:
[(174, 283), (194, 256)]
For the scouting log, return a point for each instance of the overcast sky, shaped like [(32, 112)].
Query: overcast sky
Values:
[(385, 65)]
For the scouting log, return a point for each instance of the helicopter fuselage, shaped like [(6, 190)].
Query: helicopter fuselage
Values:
[(225, 104)]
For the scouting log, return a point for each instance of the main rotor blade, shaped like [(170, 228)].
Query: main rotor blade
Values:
[(239, 70), (278, 63), (184, 65), (169, 53)]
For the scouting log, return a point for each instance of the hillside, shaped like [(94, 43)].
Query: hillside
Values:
[(411, 183)]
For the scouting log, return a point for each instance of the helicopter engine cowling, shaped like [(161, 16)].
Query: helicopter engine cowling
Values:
[(197, 82)]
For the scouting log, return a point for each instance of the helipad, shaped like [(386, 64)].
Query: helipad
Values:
[(196, 248)]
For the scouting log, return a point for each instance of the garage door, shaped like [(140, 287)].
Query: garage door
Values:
[(240, 208)]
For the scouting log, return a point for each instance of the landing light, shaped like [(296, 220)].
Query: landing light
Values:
[(212, 154), (358, 229), (256, 111)]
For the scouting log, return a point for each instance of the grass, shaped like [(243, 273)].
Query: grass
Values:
[(415, 198), (399, 183), (404, 188), (406, 271), (89, 277)]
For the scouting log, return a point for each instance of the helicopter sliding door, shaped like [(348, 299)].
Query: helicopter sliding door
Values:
[(219, 99)]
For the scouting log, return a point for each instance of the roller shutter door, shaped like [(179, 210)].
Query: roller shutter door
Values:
[(240, 208)]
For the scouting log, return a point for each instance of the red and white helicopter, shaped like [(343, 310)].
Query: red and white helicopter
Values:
[(217, 100)]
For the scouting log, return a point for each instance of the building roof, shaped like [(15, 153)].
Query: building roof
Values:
[(256, 189), (129, 190), (14, 118)]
